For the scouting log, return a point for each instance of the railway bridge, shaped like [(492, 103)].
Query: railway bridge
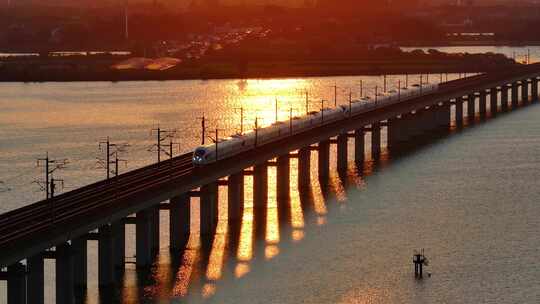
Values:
[(59, 228)]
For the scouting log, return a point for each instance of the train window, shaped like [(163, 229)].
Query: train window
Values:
[(200, 152)]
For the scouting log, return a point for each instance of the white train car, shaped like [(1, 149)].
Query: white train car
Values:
[(222, 149), (266, 134), (301, 123), (238, 143), (331, 115), (284, 128)]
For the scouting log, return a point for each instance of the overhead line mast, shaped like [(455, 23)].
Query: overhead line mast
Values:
[(50, 166)]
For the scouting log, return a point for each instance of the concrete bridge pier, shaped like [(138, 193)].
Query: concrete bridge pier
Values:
[(534, 89), (144, 237), (283, 175), (392, 133), (443, 116), (283, 185), (304, 168), (119, 239), (525, 91), (375, 140), (447, 106), (324, 160), (515, 99), (209, 206), (482, 104), (432, 116), (155, 228), (260, 199), (504, 97), (459, 111), (396, 130), (179, 221), (16, 284), (359, 143), (423, 121), (106, 254), (532, 82), (235, 197), (342, 152), (414, 124), (430, 119), (64, 274), (436, 118), (409, 131), (80, 257), (493, 101), (471, 107), (35, 279)]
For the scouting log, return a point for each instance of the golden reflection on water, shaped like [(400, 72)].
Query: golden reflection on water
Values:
[(241, 269), (297, 215), (271, 251), (245, 245), (357, 176), (295, 204), (130, 292), (339, 190), (215, 263), (364, 296), (184, 274), (258, 99), (272, 225), (280, 87), (272, 218), (162, 275), (319, 205), (321, 220), (297, 235), (208, 290)]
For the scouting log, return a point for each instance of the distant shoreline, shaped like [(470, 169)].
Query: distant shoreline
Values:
[(160, 77), (224, 77), (115, 76), (99, 69), (465, 43)]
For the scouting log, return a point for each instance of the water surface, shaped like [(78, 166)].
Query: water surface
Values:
[(470, 199)]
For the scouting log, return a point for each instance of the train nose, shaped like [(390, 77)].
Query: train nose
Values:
[(197, 159)]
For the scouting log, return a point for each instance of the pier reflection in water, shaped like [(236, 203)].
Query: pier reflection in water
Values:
[(238, 246)]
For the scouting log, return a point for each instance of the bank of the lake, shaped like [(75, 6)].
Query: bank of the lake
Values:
[(384, 61)]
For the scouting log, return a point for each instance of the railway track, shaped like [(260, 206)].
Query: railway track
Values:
[(54, 211), (16, 215)]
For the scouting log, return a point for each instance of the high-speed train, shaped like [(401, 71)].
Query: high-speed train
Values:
[(239, 143)]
